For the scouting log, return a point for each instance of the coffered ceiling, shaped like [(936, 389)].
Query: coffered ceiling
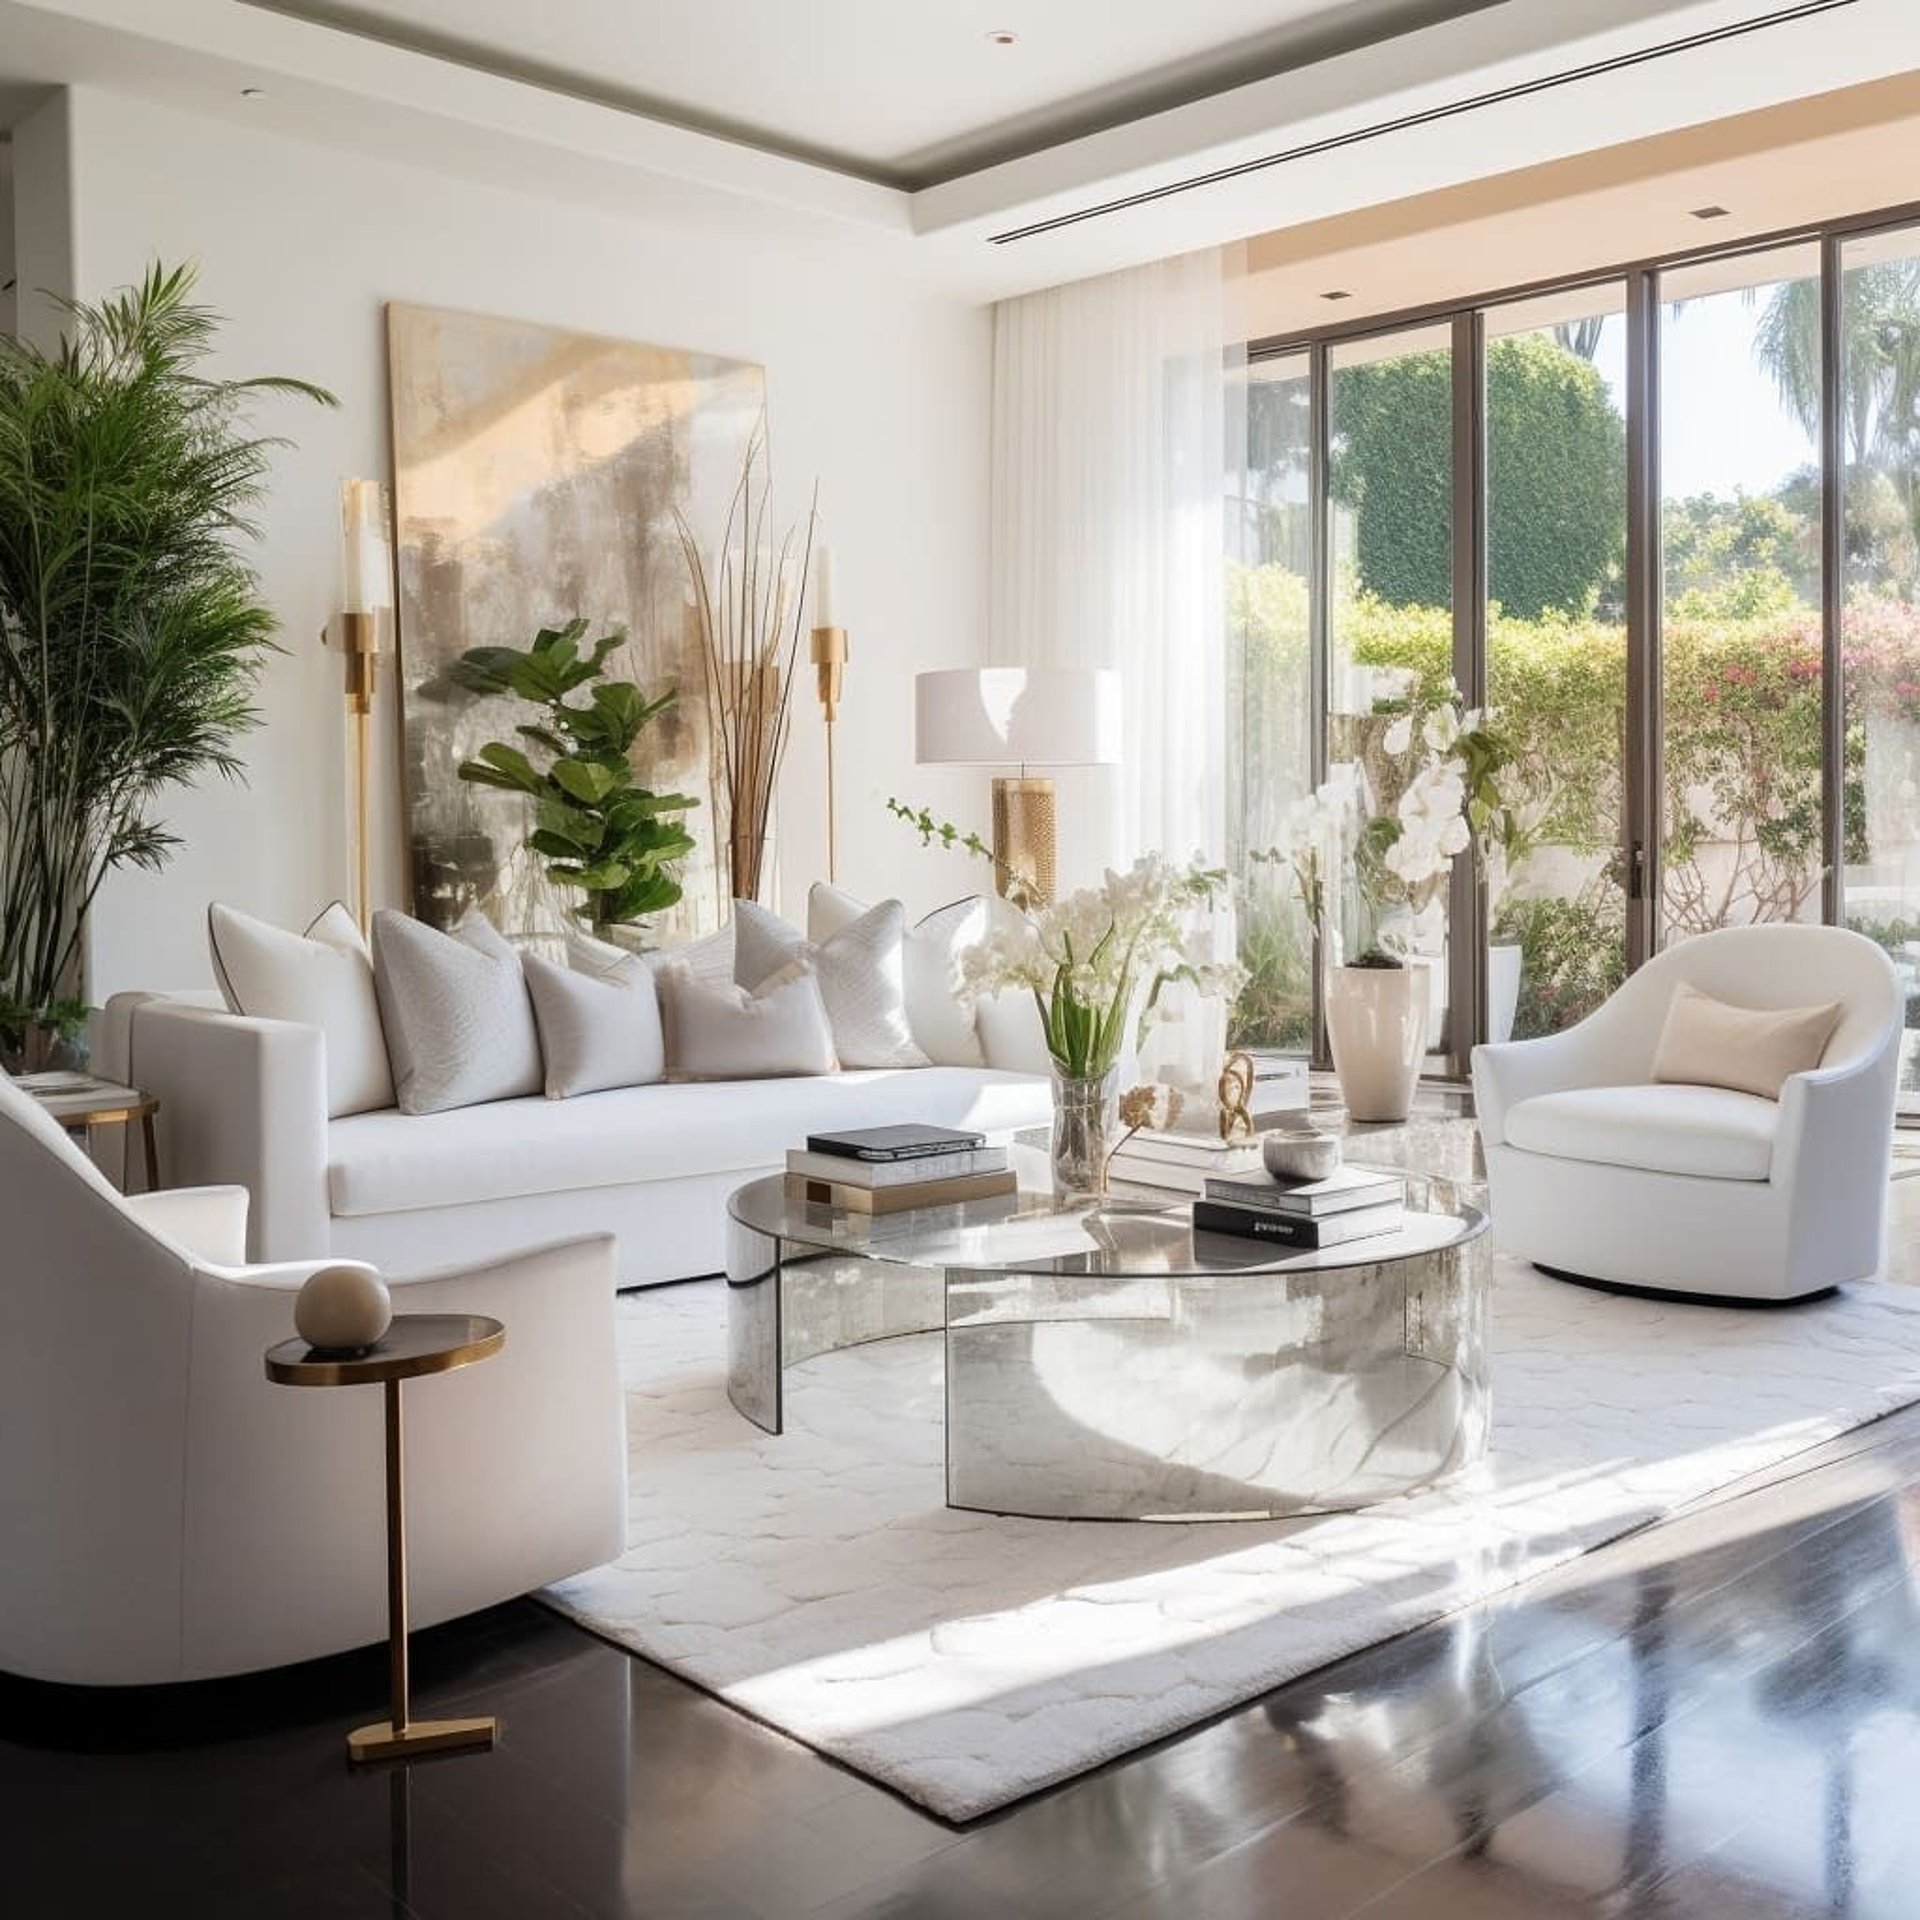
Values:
[(905, 94)]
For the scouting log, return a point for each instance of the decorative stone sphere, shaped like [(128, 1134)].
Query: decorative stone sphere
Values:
[(342, 1310)]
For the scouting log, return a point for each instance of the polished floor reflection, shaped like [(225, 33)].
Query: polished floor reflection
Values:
[(1718, 1719)]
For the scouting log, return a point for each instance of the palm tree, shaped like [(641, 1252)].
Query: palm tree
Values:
[(131, 628)]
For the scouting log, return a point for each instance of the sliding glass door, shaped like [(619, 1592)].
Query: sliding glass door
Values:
[(1879, 338), (1555, 380), (1742, 820)]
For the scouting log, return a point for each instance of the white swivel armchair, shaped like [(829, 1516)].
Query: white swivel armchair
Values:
[(1597, 1174), (168, 1514)]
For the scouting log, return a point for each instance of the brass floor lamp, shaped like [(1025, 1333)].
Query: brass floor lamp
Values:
[(829, 655), (367, 593)]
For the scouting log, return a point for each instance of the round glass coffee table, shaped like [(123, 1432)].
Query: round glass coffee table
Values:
[(1107, 1362)]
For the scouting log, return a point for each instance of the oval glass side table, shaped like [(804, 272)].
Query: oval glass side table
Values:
[(416, 1344)]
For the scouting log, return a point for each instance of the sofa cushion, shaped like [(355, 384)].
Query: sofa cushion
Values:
[(861, 970), (393, 1162), (728, 1033), (937, 1011), (596, 1033), (1709, 1133), (322, 979), (1708, 1043)]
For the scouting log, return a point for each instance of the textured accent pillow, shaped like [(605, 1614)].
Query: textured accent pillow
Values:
[(1012, 1036), (596, 1033), (460, 1028), (861, 971), (939, 1014), (1707, 1043), (322, 978), (729, 1033), (709, 958)]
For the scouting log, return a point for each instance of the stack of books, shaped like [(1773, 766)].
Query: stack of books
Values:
[(1181, 1162), (1350, 1204), (894, 1169)]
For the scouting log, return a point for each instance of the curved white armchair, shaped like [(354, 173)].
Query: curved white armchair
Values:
[(168, 1514), (1597, 1174)]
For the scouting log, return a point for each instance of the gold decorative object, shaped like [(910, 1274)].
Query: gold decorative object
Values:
[(1236, 1098), (414, 1345), (1024, 838), (829, 655), (537, 476)]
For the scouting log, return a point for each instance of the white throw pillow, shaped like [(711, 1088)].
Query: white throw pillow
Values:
[(861, 972), (324, 979), (1012, 1035), (939, 1014), (596, 1034), (730, 1033), (709, 958), (1707, 1043), (460, 1028)]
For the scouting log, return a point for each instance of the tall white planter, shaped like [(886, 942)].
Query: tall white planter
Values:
[(1377, 1027), (1503, 991)]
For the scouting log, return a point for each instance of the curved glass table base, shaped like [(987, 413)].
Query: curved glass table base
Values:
[(1107, 1363)]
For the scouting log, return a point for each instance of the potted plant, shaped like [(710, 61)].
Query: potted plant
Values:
[(131, 626), (1097, 963), (600, 832), (1453, 780)]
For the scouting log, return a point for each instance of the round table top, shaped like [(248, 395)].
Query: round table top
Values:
[(413, 1345), (1033, 1232)]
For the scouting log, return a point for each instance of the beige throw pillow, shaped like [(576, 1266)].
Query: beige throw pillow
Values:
[(460, 1028), (322, 978), (596, 1034), (861, 970), (1707, 1043), (728, 1033)]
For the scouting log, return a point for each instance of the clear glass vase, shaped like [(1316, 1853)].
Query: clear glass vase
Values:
[(1085, 1111)]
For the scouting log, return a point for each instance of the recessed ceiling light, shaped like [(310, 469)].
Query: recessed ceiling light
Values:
[(1002, 37), (1709, 213), (1337, 293)]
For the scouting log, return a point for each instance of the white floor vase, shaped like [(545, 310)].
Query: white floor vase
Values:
[(1377, 1028)]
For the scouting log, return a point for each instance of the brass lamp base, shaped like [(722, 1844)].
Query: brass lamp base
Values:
[(381, 1742), (1023, 839)]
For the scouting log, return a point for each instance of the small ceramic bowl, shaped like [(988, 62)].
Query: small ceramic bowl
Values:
[(1300, 1156)]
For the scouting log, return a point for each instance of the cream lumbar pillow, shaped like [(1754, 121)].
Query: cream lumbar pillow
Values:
[(861, 971), (939, 1014), (1707, 1043), (596, 1034), (460, 1027), (730, 1033), (322, 978)]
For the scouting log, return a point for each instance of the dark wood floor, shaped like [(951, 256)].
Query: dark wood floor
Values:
[(1718, 1719)]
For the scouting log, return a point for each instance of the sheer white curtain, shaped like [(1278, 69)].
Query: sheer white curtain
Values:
[(1110, 440), (1112, 427)]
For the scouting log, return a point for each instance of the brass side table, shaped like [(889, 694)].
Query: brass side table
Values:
[(415, 1344), (81, 1104)]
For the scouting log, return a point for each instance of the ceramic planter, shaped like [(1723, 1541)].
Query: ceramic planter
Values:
[(1377, 1028)]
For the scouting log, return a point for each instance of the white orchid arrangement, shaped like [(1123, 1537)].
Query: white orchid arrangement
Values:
[(1090, 958), (1467, 785)]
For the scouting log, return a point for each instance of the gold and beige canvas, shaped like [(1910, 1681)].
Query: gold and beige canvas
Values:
[(537, 472)]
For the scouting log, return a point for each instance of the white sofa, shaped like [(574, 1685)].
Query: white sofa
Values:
[(243, 1102), (1596, 1173), (168, 1514)]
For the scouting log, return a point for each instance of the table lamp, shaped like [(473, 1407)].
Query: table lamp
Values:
[(1021, 717)]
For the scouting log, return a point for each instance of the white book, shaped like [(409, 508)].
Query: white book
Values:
[(847, 1172), (1143, 1170), (1196, 1149), (1344, 1189)]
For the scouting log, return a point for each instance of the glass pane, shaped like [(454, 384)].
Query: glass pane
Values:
[(1390, 408), (1270, 701), (1740, 532), (1880, 644), (1556, 656)]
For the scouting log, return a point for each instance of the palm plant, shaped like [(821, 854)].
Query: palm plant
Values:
[(131, 627)]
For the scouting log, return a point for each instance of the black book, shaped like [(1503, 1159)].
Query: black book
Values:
[(1298, 1230), (893, 1143)]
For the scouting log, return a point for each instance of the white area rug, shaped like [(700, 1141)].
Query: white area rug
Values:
[(819, 1582)]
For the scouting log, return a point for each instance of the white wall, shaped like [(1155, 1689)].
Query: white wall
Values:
[(875, 385)]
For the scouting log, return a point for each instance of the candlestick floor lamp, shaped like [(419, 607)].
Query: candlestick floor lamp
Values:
[(1023, 717), (367, 592)]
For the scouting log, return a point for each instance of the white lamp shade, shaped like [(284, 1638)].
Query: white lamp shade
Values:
[(1017, 716), (366, 553)]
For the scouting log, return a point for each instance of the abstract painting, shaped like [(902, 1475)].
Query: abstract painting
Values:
[(537, 474)]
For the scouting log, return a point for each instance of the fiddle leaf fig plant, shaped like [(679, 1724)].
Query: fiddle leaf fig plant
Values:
[(599, 832)]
